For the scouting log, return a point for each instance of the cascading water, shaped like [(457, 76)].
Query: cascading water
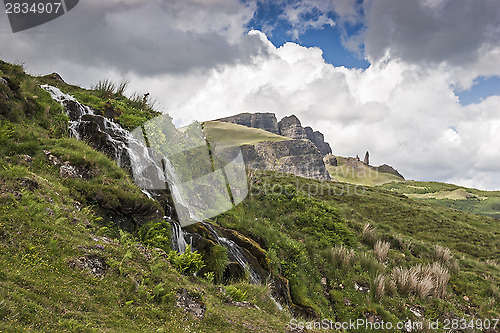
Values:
[(234, 253), (123, 147), (119, 143), (178, 239)]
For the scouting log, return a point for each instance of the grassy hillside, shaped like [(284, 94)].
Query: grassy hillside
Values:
[(465, 199), (348, 252), (290, 225), (355, 172), (223, 132), (65, 264)]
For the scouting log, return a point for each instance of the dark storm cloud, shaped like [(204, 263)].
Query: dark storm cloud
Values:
[(433, 31), (139, 36)]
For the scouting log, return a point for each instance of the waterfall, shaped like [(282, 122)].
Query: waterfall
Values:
[(126, 146), (178, 240), (119, 142), (235, 253)]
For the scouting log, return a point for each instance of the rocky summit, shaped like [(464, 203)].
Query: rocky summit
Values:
[(266, 121), (289, 126)]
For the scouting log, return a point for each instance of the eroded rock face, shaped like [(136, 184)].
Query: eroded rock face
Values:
[(319, 140), (298, 157), (290, 127), (266, 121)]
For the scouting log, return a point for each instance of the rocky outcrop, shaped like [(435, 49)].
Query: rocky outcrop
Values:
[(319, 140), (266, 121), (366, 160), (298, 157), (388, 169), (190, 304), (329, 159), (290, 127), (94, 263)]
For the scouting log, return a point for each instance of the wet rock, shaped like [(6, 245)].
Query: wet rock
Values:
[(233, 273), (281, 290), (190, 304), (74, 110), (248, 244), (93, 263)]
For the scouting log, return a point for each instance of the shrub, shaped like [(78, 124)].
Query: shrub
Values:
[(236, 294), (381, 249), (188, 262), (156, 234), (217, 261), (369, 236)]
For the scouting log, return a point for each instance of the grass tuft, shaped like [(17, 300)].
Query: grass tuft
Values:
[(381, 250)]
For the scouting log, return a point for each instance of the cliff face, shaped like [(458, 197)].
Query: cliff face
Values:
[(319, 140), (298, 157), (288, 126), (266, 121)]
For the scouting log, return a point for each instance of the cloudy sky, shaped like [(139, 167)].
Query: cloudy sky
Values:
[(415, 82)]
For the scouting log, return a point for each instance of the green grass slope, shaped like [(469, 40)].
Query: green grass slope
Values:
[(234, 134), (355, 172), (303, 225), (465, 199)]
